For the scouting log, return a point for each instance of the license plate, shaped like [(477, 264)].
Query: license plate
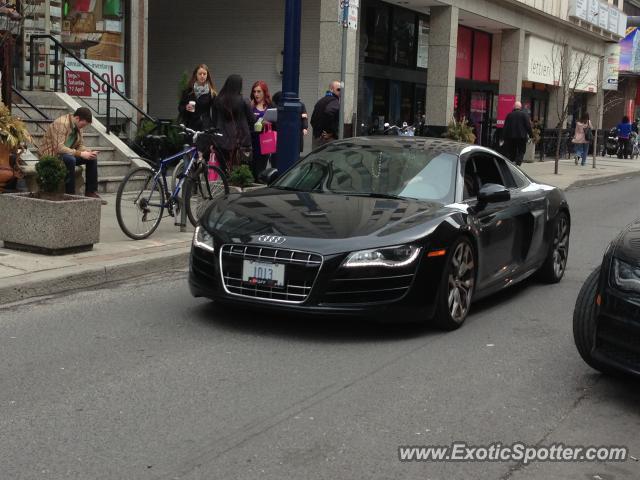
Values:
[(264, 274)]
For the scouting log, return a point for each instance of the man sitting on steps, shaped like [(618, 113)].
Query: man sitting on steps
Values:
[(64, 139)]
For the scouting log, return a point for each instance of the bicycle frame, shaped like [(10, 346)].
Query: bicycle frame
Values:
[(161, 175)]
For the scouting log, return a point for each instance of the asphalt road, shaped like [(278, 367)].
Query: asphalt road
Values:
[(141, 381)]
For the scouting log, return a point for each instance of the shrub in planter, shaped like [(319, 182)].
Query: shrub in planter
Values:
[(13, 136), (241, 176), (460, 131), (50, 175)]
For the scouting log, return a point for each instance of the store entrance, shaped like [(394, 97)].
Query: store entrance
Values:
[(477, 108)]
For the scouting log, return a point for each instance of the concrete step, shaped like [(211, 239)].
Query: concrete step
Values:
[(109, 184), (113, 168), (25, 111)]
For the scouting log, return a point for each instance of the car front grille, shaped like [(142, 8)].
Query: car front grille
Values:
[(301, 271), (370, 287), (619, 340)]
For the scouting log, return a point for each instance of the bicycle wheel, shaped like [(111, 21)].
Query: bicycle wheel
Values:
[(209, 185), (139, 203)]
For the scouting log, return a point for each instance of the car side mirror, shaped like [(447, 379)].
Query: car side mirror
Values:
[(268, 176), (492, 193)]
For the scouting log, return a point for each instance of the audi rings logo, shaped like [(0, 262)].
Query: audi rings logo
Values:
[(272, 239)]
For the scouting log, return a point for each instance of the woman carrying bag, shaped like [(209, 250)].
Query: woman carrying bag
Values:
[(582, 139), (232, 115)]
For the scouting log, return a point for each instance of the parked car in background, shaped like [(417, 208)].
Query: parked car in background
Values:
[(606, 318), (396, 228)]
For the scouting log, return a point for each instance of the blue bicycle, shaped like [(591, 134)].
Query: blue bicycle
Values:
[(144, 193)]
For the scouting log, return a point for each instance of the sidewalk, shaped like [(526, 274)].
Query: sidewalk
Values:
[(117, 258)]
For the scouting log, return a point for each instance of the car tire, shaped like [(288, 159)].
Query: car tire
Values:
[(554, 266), (457, 286), (584, 321)]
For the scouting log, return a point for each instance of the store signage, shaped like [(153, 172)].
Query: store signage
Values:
[(614, 17), (578, 9), (592, 12), (79, 81), (630, 51), (543, 61), (505, 105), (603, 16), (599, 13), (611, 66)]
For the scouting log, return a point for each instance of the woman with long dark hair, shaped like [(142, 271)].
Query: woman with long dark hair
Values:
[(232, 115), (197, 99)]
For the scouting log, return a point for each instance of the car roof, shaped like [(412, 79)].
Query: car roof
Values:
[(426, 143)]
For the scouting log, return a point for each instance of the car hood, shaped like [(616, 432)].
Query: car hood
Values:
[(627, 244), (323, 223)]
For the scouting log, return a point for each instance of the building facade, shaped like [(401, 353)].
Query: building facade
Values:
[(414, 61)]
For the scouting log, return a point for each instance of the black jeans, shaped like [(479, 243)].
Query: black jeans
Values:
[(91, 183), (624, 147), (516, 148)]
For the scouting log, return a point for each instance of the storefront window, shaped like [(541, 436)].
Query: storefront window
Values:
[(94, 31), (377, 32), (403, 38)]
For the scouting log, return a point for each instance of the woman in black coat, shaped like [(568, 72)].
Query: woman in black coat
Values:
[(233, 116), (197, 99)]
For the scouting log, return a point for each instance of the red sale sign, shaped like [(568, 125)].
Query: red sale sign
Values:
[(78, 83), (505, 105)]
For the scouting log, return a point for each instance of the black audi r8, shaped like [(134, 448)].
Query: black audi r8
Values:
[(606, 318), (399, 228)]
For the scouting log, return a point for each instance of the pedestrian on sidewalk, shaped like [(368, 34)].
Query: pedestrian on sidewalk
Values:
[(624, 133), (196, 100), (516, 131), (260, 101), (64, 139), (304, 121), (324, 118), (232, 115), (582, 138)]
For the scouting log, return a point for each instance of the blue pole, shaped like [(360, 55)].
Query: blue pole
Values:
[(290, 109)]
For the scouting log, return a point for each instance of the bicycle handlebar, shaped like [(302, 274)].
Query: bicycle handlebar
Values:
[(195, 133)]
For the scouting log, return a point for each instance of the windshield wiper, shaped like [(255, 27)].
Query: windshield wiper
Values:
[(372, 195), (292, 189)]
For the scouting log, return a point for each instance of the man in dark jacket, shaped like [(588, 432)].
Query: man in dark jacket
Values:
[(516, 131), (324, 118)]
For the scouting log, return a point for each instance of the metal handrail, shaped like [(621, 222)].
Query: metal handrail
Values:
[(26, 100), (59, 45)]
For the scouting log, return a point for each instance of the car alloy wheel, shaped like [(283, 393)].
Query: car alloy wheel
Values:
[(560, 246), (460, 282)]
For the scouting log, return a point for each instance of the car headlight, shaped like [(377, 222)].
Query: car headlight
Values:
[(399, 256), (625, 276), (203, 239)]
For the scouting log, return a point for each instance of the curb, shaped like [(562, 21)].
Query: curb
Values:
[(80, 277), (588, 182)]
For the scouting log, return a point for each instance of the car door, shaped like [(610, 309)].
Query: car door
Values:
[(496, 222), (533, 197)]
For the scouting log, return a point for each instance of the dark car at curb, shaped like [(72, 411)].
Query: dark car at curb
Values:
[(606, 318), (391, 228)]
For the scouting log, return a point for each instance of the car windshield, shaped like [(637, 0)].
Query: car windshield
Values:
[(381, 171)]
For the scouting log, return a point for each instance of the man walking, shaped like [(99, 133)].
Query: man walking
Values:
[(64, 139), (324, 118), (516, 131)]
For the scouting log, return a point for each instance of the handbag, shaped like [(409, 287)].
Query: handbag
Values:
[(268, 140), (212, 175), (588, 134)]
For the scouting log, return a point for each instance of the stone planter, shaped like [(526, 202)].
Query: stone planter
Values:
[(530, 153), (49, 227)]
